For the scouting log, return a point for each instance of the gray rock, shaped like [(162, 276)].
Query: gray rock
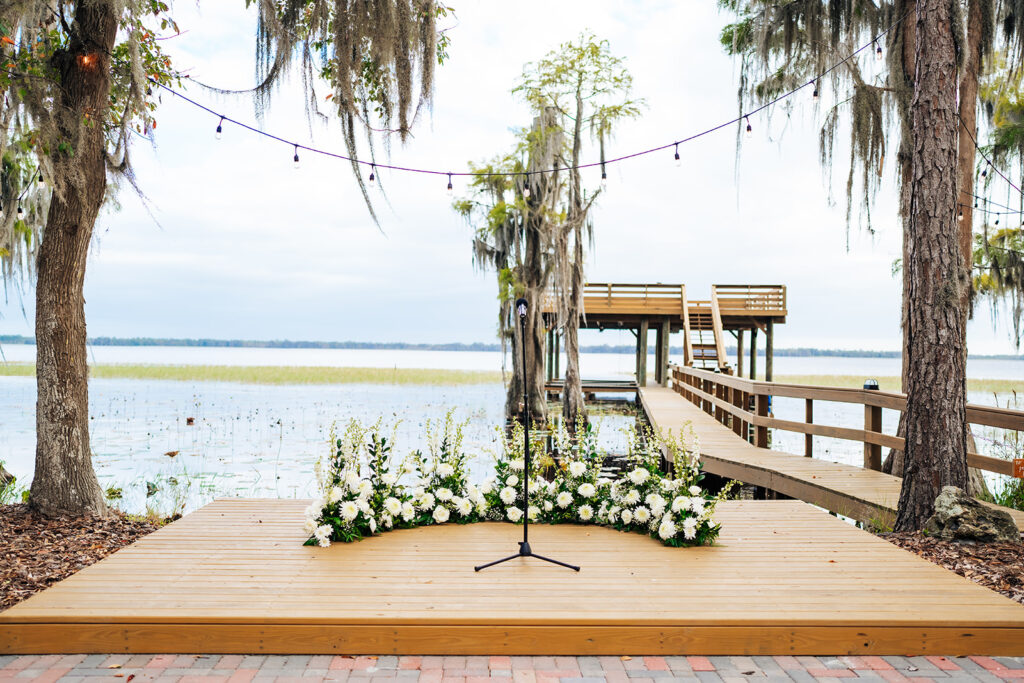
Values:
[(958, 517)]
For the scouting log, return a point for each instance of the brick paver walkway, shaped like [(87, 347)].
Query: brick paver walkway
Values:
[(305, 669)]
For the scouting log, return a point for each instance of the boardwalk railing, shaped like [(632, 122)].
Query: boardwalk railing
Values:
[(743, 405)]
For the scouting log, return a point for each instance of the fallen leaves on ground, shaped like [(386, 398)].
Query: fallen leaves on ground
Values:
[(998, 566), (39, 551)]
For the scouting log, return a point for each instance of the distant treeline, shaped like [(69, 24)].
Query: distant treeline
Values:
[(478, 346)]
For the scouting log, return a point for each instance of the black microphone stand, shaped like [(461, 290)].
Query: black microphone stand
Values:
[(524, 545)]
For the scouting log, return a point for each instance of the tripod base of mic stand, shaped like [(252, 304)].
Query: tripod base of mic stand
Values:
[(525, 551)]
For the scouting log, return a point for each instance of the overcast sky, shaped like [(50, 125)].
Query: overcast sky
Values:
[(244, 246)]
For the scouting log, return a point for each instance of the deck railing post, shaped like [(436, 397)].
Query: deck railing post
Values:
[(809, 418), (872, 452), (762, 411)]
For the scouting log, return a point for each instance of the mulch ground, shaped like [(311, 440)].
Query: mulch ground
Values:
[(998, 566), (38, 552)]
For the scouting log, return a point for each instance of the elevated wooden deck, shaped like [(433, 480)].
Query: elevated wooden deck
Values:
[(785, 578), (863, 494)]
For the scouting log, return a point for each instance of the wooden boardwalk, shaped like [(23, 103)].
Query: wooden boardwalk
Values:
[(863, 494), (785, 578)]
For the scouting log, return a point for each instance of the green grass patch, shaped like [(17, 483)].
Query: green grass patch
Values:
[(894, 384), (269, 374)]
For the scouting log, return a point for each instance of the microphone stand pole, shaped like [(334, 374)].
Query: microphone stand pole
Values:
[(524, 545)]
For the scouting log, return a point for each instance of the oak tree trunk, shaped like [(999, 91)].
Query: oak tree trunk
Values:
[(934, 330), (573, 406), (64, 481)]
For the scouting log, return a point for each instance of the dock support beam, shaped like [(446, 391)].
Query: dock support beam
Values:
[(739, 353), (872, 452), (641, 354), (753, 353), (666, 333), (769, 349)]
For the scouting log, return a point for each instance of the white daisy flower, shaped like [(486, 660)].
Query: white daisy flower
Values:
[(697, 505), (507, 495), (632, 498), (680, 503), (408, 512), (534, 486), (310, 525), (444, 494), (427, 500), (393, 505), (445, 470), (564, 499), (441, 514), (512, 480), (689, 528), (364, 488), (514, 514), (464, 506), (487, 486), (516, 465), (642, 515), (667, 529), (577, 468), (363, 505), (349, 510), (585, 512), (323, 535), (352, 479), (587, 490), (335, 494), (626, 516), (639, 476)]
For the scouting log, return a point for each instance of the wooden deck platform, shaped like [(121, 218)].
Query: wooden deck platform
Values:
[(785, 578), (863, 494)]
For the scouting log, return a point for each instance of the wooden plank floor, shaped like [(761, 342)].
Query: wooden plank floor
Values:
[(785, 578), (864, 495)]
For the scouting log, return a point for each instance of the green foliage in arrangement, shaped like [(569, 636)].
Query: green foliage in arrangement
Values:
[(365, 491)]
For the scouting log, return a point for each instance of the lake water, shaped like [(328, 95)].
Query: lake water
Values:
[(259, 440)]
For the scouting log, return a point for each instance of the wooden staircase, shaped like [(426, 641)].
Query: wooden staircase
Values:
[(702, 329)]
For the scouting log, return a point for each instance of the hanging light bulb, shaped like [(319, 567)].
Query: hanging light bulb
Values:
[(679, 162), (1, 212), (960, 215), (373, 176), (815, 93), (526, 186), (40, 181), (604, 177), (984, 171), (878, 52), (220, 128), (450, 189), (750, 131), (997, 220), (20, 214), (295, 159)]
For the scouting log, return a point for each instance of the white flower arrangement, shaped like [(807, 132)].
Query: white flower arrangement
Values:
[(362, 490)]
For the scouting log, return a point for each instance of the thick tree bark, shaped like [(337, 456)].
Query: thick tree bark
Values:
[(934, 330), (64, 481)]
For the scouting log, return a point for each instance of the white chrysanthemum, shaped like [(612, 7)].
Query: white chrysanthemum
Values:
[(389, 479), (626, 516), (680, 503), (639, 476), (548, 506), (689, 528), (585, 512), (428, 467), (695, 490), (697, 505), (667, 486), (364, 488), (441, 514), (535, 486), (310, 525), (587, 490), (408, 512), (349, 510), (642, 515), (393, 505), (335, 495), (418, 492), (363, 505), (427, 501), (564, 499), (632, 497), (464, 506), (445, 470), (533, 511), (658, 509), (487, 486), (444, 494), (577, 468), (514, 514), (516, 465), (387, 521), (667, 529), (513, 480), (507, 495), (352, 479), (323, 535)]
